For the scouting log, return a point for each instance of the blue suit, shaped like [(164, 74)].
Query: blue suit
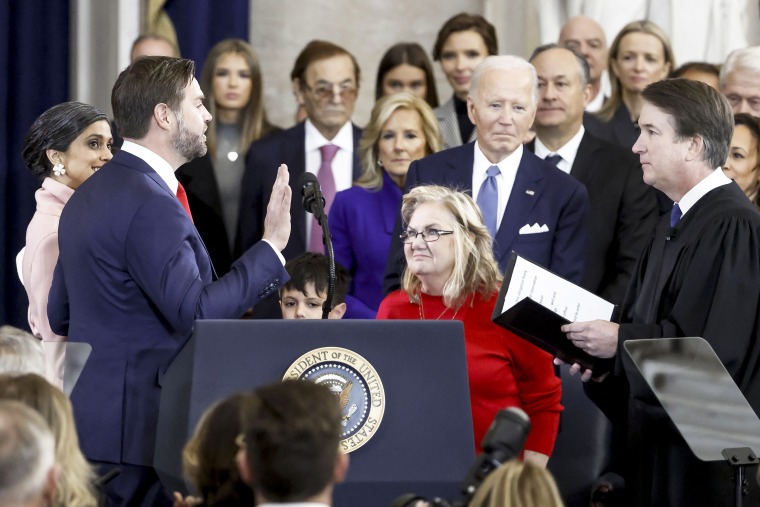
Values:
[(541, 194), (133, 276), (361, 222)]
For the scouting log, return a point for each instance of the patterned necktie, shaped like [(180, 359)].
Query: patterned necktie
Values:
[(182, 197), (327, 184), (553, 159), (488, 199), (675, 215)]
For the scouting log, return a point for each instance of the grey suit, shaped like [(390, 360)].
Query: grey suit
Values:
[(447, 121)]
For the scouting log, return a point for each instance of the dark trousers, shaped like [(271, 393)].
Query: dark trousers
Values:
[(134, 486)]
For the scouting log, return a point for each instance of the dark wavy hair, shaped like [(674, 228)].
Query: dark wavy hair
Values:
[(409, 53), (56, 129)]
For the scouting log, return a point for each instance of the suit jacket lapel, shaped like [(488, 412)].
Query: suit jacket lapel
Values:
[(357, 166), (198, 178), (525, 193), (459, 170), (447, 121), (388, 199), (584, 163)]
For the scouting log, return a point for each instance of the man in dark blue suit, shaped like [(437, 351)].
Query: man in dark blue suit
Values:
[(133, 274), (535, 209), (325, 81)]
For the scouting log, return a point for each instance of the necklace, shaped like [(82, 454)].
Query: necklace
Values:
[(445, 309)]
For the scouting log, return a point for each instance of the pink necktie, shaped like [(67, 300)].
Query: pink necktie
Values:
[(327, 183), (182, 197)]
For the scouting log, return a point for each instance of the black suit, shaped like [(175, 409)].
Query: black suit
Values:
[(261, 163), (621, 131), (623, 213), (197, 176)]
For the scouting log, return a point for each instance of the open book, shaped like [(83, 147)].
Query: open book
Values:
[(534, 303)]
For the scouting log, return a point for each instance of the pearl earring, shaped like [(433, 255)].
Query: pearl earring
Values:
[(379, 162), (58, 169)]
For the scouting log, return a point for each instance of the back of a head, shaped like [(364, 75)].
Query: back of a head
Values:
[(20, 352), (75, 474), (147, 82), (209, 457), (27, 456), (292, 443), (518, 484), (696, 109)]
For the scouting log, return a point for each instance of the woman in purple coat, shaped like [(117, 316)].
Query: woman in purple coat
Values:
[(402, 128)]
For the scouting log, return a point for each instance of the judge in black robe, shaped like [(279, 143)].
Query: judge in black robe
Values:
[(698, 278)]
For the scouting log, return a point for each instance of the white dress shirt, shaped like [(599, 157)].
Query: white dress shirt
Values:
[(568, 152), (716, 179), (158, 164), (342, 164)]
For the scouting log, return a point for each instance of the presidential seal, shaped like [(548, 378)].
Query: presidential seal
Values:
[(355, 384)]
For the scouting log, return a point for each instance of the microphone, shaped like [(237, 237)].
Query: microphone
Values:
[(314, 203), (311, 193), (671, 234)]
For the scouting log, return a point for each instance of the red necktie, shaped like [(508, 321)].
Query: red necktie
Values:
[(327, 183), (182, 196)]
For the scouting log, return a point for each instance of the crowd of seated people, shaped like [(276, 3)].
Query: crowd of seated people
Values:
[(423, 205)]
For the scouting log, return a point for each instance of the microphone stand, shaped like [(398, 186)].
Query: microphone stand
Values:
[(321, 216)]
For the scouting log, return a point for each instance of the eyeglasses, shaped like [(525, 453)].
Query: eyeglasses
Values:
[(326, 91), (428, 235)]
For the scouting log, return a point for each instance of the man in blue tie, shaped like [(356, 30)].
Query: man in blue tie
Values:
[(530, 206)]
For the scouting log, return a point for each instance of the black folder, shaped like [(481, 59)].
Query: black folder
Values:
[(540, 326)]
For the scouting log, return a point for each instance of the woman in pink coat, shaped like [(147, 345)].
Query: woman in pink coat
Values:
[(63, 147)]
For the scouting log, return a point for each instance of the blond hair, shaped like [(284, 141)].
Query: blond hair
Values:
[(372, 173), (475, 268), (616, 90), (75, 475), (518, 484)]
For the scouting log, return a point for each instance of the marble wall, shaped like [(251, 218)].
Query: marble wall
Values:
[(366, 28)]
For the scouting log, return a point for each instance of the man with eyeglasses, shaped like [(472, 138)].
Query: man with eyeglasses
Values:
[(325, 81), (740, 80), (528, 205)]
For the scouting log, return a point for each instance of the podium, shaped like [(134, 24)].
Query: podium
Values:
[(424, 443)]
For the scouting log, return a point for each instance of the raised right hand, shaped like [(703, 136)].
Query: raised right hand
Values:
[(277, 221)]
